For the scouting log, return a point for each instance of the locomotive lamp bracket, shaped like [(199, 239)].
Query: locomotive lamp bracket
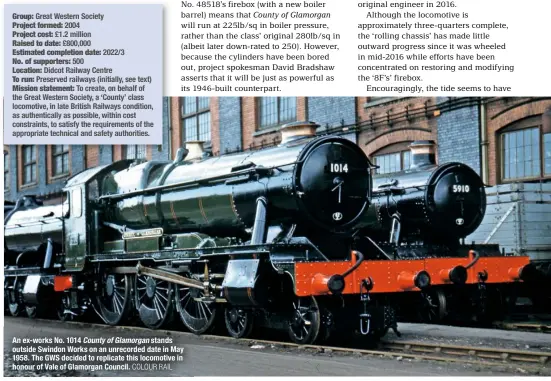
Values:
[(366, 285)]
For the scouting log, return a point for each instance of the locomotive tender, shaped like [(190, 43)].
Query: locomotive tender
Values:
[(265, 238)]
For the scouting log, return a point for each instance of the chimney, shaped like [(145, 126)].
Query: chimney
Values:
[(297, 130), (422, 153), (546, 120), (195, 150)]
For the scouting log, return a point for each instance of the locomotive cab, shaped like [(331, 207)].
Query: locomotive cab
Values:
[(84, 237)]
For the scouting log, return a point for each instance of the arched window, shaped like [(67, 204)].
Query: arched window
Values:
[(525, 151), (392, 158)]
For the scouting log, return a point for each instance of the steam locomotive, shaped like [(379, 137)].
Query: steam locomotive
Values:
[(266, 238), (426, 212)]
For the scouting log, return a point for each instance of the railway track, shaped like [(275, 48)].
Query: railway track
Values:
[(528, 322), (528, 327), (533, 361)]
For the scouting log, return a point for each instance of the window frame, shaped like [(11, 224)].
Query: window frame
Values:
[(32, 164), (526, 124), (194, 115), (136, 157), (54, 155), (392, 149), (279, 121)]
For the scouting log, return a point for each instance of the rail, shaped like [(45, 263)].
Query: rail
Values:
[(529, 327), (484, 356)]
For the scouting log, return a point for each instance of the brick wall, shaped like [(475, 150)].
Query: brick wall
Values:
[(249, 120), (77, 159), (229, 125), (92, 156), (105, 154), (459, 136), (117, 153), (215, 140), (80, 158), (302, 108), (45, 186), (160, 151), (234, 123), (390, 123), (176, 124), (502, 113), (331, 111)]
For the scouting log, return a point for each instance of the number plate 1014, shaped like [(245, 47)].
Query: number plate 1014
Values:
[(338, 168)]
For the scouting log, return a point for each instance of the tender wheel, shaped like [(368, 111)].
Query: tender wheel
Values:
[(433, 307), (197, 316), (114, 298), (14, 306), (304, 325), (239, 322), (154, 301)]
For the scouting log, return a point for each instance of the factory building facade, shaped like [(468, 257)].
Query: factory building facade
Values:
[(504, 139)]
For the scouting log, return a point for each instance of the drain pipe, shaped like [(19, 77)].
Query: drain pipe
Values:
[(484, 143), (169, 101)]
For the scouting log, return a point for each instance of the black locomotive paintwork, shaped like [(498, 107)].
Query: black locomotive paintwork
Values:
[(187, 223), (433, 203), (28, 222), (218, 195)]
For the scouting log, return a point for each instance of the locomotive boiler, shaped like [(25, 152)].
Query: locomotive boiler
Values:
[(426, 203), (320, 187)]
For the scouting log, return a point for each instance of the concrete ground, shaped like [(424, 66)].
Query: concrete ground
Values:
[(213, 357)]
